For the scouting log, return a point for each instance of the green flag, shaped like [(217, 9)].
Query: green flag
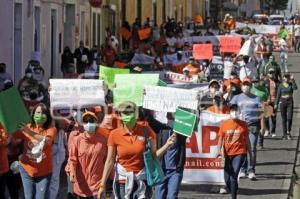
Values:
[(184, 122), (12, 110), (130, 87), (108, 74)]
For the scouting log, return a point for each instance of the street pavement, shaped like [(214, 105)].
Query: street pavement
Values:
[(275, 162)]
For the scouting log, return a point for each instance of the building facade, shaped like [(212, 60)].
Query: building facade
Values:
[(46, 27), (159, 10)]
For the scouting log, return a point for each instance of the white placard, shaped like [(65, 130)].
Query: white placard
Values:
[(77, 93), (166, 99)]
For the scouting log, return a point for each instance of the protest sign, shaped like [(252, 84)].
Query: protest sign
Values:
[(77, 93), (230, 44), (168, 99), (126, 34), (108, 74), (184, 122), (176, 78), (144, 33), (142, 58), (12, 110), (130, 87), (203, 51), (202, 166), (216, 71)]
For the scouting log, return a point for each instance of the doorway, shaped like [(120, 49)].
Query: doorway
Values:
[(18, 32)]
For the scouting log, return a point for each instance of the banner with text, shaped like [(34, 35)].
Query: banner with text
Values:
[(166, 99), (76, 93), (202, 166)]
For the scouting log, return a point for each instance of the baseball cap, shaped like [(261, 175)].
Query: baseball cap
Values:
[(127, 106), (91, 114), (247, 80)]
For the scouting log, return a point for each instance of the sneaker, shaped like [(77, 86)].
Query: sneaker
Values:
[(273, 135), (252, 176), (289, 137), (260, 147), (223, 190), (266, 133), (242, 174)]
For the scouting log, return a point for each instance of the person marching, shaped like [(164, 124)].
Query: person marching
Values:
[(286, 103), (233, 145)]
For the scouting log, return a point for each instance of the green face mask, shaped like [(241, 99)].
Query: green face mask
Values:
[(129, 120), (40, 118)]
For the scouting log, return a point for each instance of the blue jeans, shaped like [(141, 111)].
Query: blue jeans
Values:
[(231, 172), (34, 188), (169, 188), (253, 137)]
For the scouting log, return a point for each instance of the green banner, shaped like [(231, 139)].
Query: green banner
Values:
[(184, 122), (162, 83), (108, 74), (12, 110), (130, 87)]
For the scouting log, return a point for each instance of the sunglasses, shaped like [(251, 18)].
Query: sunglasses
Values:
[(127, 112), (89, 120)]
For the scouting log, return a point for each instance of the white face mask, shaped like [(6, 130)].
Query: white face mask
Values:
[(241, 63), (246, 89), (234, 115), (90, 127)]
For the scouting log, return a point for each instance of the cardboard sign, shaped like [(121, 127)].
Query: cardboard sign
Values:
[(12, 110), (77, 93), (166, 99), (144, 33), (203, 51), (230, 44), (108, 74), (130, 87), (126, 34), (184, 122)]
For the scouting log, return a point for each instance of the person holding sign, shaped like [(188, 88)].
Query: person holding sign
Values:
[(128, 144), (233, 145), (36, 160), (172, 161)]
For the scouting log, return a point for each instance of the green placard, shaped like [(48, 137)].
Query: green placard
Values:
[(12, 110), (184, 122), (162, 83), (108, 74), (130, 87)]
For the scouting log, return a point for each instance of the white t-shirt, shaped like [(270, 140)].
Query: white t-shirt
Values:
[(249, 70), (297, 30)]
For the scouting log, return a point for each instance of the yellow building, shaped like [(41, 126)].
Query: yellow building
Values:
[(159, 10)]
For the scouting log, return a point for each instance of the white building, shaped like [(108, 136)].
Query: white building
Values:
[(47, 26)]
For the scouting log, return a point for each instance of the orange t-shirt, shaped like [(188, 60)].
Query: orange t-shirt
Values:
[(215, 109), (28, 160), (4, 166), (234, 134), (130, 148)]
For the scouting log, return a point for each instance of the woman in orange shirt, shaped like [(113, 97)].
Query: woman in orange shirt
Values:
[(218, 106), (127, 143), (87, 157), (36, 159), (233, 145)]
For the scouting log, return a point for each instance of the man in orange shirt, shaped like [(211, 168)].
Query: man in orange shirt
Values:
[(233, 145), (4, 168)]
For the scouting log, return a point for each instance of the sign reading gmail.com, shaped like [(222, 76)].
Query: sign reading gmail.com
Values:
[(202, 166)]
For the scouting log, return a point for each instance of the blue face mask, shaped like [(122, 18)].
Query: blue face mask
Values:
[(90, 127)]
